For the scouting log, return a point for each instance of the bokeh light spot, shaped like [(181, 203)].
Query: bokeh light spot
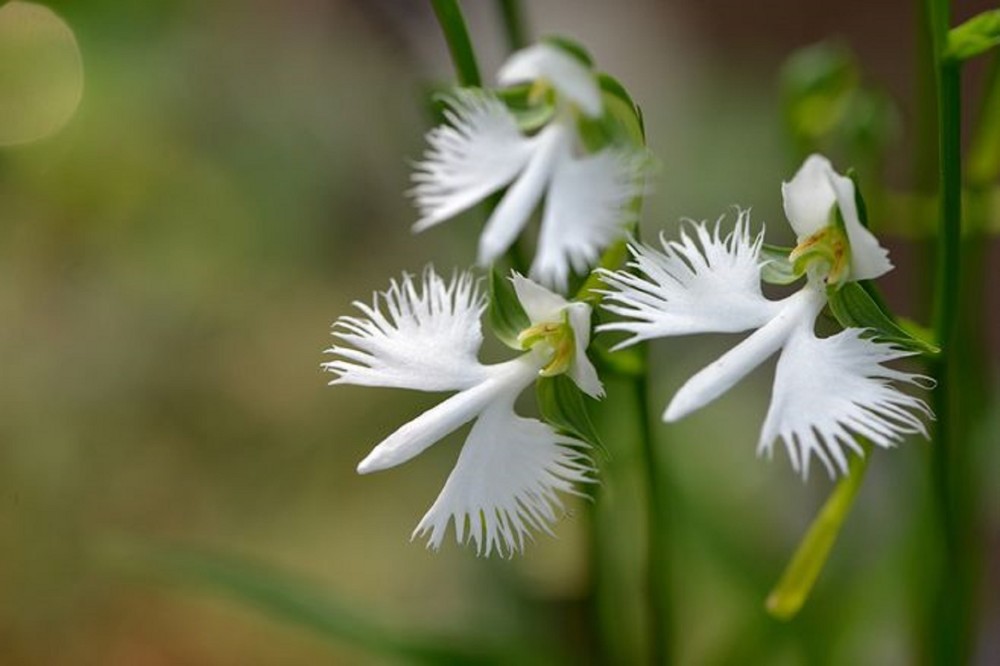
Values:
[(41, 73)]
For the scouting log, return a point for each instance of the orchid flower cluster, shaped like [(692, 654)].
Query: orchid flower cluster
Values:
[(560, 138)]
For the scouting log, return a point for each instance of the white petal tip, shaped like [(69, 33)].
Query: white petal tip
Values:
[(369, 465), (674, 412)]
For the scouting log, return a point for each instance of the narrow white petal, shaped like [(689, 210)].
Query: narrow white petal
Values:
[(480, 151), (869, 260), (540, 304), (829, 390), (424, 338), (586, 209), (809, 196), (521, 199), (708, 285), (506, 483), (734, 365), (566, 74), (413, 438), (581, 370)]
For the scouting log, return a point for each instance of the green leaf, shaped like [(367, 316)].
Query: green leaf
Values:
[(562, 405), (571, 47), (778, 269), (974, 37), (291, 599), (506, 316), (852, 306)]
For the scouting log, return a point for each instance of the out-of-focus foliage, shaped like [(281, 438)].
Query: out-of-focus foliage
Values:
[(974, 37), (829, 108)]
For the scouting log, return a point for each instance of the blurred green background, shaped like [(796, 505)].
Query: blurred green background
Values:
[(173, 470)]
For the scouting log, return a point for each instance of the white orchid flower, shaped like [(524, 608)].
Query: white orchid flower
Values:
[(482, 150), (511, 469), (826, 390)]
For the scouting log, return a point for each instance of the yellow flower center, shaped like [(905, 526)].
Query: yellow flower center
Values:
[(827, 252), (557, 339)]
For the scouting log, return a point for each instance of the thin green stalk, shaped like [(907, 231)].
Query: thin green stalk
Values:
[(515, 29), (658, 544), (449, 16), (803, 569), (950, 616)]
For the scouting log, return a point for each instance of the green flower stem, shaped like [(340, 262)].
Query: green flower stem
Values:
[(950, 613), (449, 16), (658, 589), (515, 29), (657, 531), (797, 581)]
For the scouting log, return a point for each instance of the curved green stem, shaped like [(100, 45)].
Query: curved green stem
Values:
[(449, 16), (515, 29)]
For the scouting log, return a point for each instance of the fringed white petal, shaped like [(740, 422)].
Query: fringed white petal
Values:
[(507, 482), (586, 209), (869, 260), (478, 152), (829, 390), (501, 381), (422, 337), (708, 285), (571, 78), (734, 365), (522, 198)]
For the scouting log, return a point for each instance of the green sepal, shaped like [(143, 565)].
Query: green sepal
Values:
[(778, 269), (853, 307), (505, 314), (622, 108), (571, 47), (859, 199), (974, 37), (596, 133), (562, 405), (620, 124)]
